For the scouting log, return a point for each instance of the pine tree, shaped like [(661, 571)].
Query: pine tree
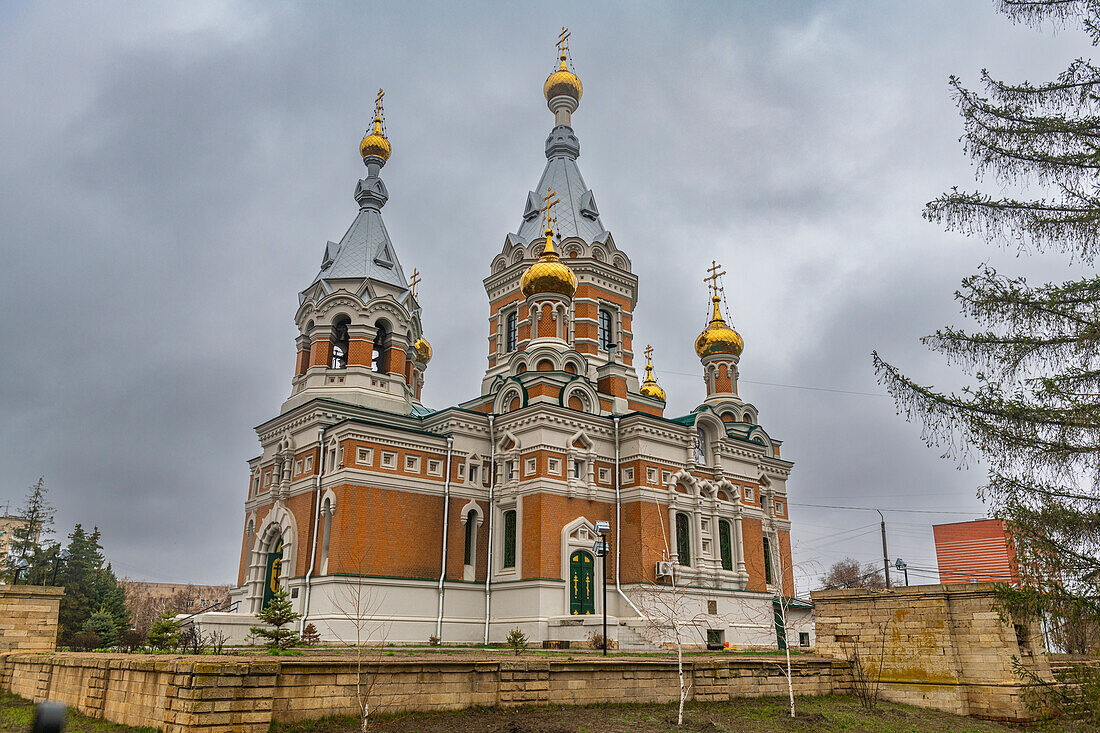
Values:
[(108, 594), (28, 553), (165, 632), (102, 623), (278, 613), (83, 561), (1031, 410)]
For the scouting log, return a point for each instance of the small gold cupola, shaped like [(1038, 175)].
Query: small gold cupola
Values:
[(563, 88), (718, 337), (549, 274), (423, 350), (649, 387), (375, 144)]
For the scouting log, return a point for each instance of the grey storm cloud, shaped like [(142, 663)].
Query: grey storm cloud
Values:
[(170, 174)]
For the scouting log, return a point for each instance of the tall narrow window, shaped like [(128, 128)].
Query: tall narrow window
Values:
[(340, 342), (379, 355), (509, 539), (607, 338), (767, 561), (683, 539), (326, 535), (725, 543), (471, 535), (511, 332), (249, 537)]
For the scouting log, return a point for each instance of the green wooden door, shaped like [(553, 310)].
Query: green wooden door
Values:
[(271, 578), (780, 626), (582, 591), (725, 544)]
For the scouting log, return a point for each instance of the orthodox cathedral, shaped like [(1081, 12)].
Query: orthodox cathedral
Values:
[(465, 522)]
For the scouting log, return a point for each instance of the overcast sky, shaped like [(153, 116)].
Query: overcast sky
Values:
[(169, 176)]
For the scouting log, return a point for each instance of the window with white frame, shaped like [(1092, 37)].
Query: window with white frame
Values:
[(298, 467), (511, 331), (577, 470), (778, 507), (412, 463), (553, 466), (461, 471), (628, 476), (473, 473), (606, 332), (267, 478), (651, 475), (511, 470), (435, 467), (748, 493), (389, 459), (529, 467), (365, 456), (340, 459), (666, 476), (309, 464), (605, 475)]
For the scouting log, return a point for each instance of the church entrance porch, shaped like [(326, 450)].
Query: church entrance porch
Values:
[(582, 591)]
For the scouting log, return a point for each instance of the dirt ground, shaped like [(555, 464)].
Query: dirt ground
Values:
[(755, 715)]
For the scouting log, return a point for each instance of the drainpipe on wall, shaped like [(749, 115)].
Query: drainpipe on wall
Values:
[(489, 549), (618, 516), (446, 517), (316, 521)]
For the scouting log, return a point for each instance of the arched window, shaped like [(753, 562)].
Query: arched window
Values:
[(725, 543), (606, 335), (700, 445), (509, 539), (471, 537), (768, 578), (326, 512), (249, 536), (380, 349), (340, 342), (511, 332), (683, 539)]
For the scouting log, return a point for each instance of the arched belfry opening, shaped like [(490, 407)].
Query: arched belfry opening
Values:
[(340, 342), (380, 350)]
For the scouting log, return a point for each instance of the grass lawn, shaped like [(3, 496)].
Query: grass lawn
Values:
[(746, 715), (17, 714)]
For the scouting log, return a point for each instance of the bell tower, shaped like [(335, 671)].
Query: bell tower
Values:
[(360, 337), (719, 346)]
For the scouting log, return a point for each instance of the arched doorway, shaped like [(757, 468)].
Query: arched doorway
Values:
[(274, 567), (582, 591)]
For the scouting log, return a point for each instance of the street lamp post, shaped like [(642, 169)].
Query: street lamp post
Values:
[(602, 529), (903, 567)]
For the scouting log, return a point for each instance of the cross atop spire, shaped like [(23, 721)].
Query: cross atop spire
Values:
[(648, 355), (379, 112), (415, 280), (711, 280), (549, 201), (563, 43)]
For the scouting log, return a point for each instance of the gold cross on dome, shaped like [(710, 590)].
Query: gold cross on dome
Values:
[(716, 272), (379, 113), (563, 41), (648, 354), (549, 201), (415, 280)]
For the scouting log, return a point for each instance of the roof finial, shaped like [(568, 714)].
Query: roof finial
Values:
[(718, 337), (375, 144), (711, 280), (415, 281), (549, 201), (562, 88), (649, 387)]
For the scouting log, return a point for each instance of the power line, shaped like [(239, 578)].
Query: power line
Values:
[(869, 509), (787, 386)]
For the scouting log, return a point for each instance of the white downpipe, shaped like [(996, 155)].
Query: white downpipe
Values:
[(489, 550), (316, 521), (618, 516), (446, 517)]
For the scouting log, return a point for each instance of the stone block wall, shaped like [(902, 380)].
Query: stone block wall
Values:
[(28, 618), (178, 694), (936, 646)]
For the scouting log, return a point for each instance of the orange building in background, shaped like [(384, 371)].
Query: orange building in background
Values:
[(976, 552)]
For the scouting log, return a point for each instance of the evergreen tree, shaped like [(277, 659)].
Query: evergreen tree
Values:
[(29, 553), (1031, 410), (108, 594), (83, 561), (102, 624), (165, 632), (279, 613)]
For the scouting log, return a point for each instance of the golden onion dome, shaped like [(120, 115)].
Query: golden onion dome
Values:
[(375, 144), (718, 337), (549, 274), (649, 387), (562, 82), (423, 350)]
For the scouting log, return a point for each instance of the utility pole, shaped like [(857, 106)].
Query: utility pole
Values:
[(885, 554)]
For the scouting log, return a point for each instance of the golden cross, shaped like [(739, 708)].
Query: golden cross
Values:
[(549, 201), (648, 354), (716, 272), (563, 38), (378, 103), (415, 280)]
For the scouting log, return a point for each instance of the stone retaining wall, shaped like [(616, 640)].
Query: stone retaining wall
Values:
[(28, 617), (246, 694), (935, 646)]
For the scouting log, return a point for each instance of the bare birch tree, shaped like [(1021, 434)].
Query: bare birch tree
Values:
[(357, 603)]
